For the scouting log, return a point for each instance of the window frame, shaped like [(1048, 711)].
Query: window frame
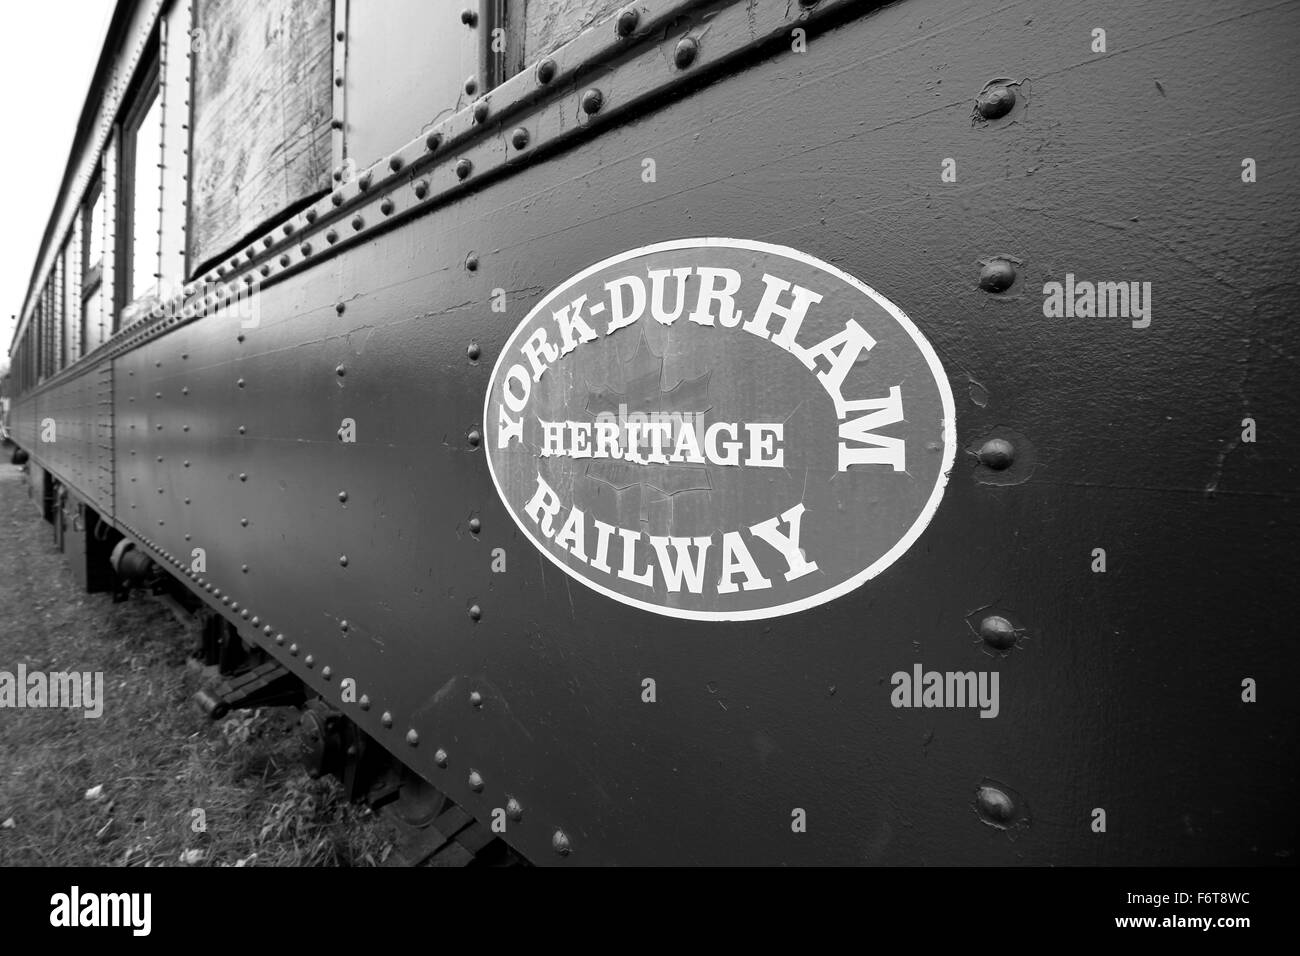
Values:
[(92, 276), (146, 90)]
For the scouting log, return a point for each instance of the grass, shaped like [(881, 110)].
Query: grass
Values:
[(153, 782)]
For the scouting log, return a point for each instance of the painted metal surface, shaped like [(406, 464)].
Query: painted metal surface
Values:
[(1119, 690), (719, 429)]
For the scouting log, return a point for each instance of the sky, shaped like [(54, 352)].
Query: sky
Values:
[(48, 53)]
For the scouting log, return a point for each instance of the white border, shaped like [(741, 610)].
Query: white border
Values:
[(813, 600)]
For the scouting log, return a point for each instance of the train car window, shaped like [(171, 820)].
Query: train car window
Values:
[(70, 310), (92, 257), (139, 216), (408, 64), (262, 109), (95, 230)]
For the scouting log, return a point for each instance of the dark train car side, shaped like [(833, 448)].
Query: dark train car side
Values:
[(708, 432)]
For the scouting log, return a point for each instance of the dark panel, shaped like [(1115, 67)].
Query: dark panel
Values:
[(1123, 689)]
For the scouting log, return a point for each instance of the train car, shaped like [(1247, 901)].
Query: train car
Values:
[(705, 431)]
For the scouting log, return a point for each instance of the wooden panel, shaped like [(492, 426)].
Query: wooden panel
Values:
[(262, 109), (549, 24)]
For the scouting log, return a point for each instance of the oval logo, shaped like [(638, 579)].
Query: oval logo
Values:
[(719, 429)]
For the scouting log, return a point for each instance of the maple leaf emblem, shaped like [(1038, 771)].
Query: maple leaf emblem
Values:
[(643, 393)]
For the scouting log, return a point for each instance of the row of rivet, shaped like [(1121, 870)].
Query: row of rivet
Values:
[(441, 758)]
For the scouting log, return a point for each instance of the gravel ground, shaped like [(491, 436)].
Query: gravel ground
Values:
[(150, 782)]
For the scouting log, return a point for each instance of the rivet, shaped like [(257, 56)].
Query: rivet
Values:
[(421, 189), (310, 215), (256, 620), (546, 70), (340, 307), (279, 638), (185, 390), (469, 18), (386, 207), (339, 36), (440, 757), (244, 568), (433, 141), (332, 237), (475, 698), (592, 100), (364, 702), (187, 500), (265, 270), (293, 649), (995, 101), (475, 525), (995, 805), (288, 228), (476, 781), (685, 51), (187, 463), (244, 614), (243, 476), (239, 382), (337, 199), (336, 124), (266, 629), (225, 599), (216, 592), (306, 248), (560, 843), (395, 163), (358, 223), (481, 111), (997, 453), (340, 371), (244, 522), (343, 496), (343, 560), (386, 719), (627, 21), (326, 673), (471, 86), (475, 612), (997, 275), (471, 263), (519, 138), (514, 810), (309, 661), (463, 168), (473, 351), (242, 429), (997, 632), (343, 625), (474, 436), (412, 737), (284, 261)]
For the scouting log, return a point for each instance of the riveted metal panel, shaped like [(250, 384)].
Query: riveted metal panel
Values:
[(1118, 690)]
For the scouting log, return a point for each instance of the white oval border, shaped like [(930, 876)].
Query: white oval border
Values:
[(813, 600)]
